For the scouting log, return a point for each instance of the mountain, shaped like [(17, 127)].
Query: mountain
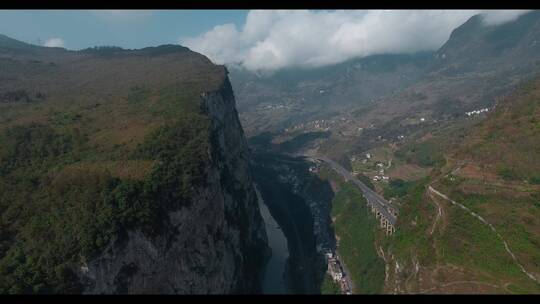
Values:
[(467, 223), (475, 46), (7, 44), (472, 225), (123, 171), (460, 146), (477, 64), (291, 96)]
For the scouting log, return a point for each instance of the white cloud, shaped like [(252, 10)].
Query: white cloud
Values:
[(495, 17), (270, 40), (54, 42)]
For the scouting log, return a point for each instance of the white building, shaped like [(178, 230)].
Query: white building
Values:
[(336, 276), (476, 112)]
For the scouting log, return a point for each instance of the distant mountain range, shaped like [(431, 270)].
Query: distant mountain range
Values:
[(476, 64), (458, 132)]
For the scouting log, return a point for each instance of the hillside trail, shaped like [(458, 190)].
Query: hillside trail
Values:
[(457, 283), (438, 216), (507, 248)]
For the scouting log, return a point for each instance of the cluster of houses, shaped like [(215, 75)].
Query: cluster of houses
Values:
[(276, 106), (476, 112), (336, 272), (321, 124), (380, 176)]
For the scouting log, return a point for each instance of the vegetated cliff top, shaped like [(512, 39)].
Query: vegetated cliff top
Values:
[(95, 89), (92, 143), (104, 67)]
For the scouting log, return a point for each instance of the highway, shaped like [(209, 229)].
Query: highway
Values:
[(373, 197)]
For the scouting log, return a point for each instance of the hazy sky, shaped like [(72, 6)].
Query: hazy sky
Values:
[(78, 29), (256, 40)]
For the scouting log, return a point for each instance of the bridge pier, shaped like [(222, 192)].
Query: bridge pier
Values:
[(390, 229), (384, 223)]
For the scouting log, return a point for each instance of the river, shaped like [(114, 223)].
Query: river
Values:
[(273, 281)]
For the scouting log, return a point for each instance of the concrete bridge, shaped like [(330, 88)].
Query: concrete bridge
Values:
[(385, 212)]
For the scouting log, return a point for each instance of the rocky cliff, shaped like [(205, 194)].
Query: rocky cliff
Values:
[(139, 170), (216, 246)]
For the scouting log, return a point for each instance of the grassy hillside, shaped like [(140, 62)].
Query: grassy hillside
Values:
[(93, 143), (508, 142), (497, 169), (491, 172)]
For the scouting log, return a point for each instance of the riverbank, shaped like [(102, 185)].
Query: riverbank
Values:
[(285, 185), (273, 281)]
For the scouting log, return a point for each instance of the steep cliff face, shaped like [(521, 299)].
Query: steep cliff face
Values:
[(123, 171), (216, 245)]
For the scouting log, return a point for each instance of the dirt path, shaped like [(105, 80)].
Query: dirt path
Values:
[(532, 277), (439, 215), (457, 283)]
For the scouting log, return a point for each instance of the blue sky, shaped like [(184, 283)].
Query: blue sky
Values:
[(128, 29)]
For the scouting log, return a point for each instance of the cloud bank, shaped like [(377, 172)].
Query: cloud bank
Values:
[(54, 42), (271, 40), (495, 17)]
